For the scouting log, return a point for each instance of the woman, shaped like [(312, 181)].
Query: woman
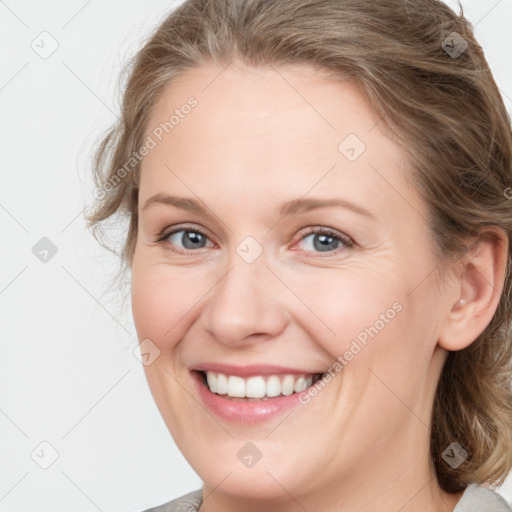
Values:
[(319, 253)]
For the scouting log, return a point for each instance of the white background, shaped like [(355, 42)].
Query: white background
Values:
[(67, 372)]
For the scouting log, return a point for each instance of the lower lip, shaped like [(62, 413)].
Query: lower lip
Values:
[(244, 412)]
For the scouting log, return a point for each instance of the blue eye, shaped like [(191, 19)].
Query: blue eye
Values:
[(325, 240), (320, 240), (190, 239)]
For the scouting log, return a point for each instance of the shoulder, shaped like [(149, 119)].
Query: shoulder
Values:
[(480, 499), (474, 499), (188, 503)]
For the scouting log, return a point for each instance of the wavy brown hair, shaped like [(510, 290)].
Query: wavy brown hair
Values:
[(444, 109)]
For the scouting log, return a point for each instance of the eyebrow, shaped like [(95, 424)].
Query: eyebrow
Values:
[(294, 206)]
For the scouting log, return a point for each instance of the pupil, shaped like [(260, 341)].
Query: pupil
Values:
[(190, 239), (324, 242)]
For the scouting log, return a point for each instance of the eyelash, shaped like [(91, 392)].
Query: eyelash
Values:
[(346, 241)]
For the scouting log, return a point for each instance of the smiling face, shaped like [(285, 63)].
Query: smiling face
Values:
[(240, 280)]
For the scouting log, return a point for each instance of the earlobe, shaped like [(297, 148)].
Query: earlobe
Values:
[(480, 283)]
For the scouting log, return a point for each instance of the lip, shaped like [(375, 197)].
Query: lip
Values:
[(241, 412), (251, 370)]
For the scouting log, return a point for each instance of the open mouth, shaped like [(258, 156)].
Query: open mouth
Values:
[(256, 388)]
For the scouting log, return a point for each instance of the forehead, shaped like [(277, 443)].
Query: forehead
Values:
[(274, 130)]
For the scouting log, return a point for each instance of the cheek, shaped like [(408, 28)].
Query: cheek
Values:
[(342, 307), (373, 329), (160, 303)]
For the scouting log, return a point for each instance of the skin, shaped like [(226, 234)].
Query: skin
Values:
[(256, 138)]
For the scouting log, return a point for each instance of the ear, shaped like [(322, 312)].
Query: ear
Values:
[(479, 285)]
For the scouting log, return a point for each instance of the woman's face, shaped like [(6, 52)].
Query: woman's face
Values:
[(242, 286)]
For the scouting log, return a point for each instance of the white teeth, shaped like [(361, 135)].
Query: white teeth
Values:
[(257, 387), (300, 385), (212, 382), (236, 386), (222, 384), (273, 386), (287, 385)]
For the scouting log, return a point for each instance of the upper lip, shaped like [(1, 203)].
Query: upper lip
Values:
[(251, 370)]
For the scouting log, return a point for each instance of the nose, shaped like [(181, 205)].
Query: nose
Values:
[(246, 305)]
